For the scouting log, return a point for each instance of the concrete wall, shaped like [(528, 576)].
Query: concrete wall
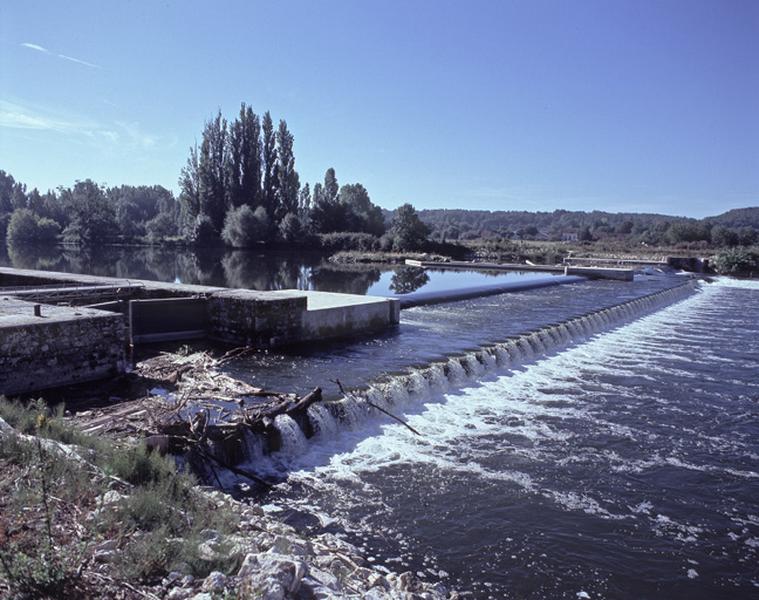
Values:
[(600, 273), (250, 318), (63, 346), (344, 321)]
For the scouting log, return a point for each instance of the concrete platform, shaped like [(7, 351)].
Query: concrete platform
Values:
[(330, 315)]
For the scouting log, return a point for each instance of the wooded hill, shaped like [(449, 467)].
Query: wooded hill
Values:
[(460, 224)]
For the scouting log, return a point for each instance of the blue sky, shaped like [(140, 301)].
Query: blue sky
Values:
[(512, 105)]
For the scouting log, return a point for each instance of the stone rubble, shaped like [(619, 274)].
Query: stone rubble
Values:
[(277, 563)]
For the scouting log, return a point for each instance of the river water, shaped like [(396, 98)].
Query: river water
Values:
[(623, 465), (613, 456)]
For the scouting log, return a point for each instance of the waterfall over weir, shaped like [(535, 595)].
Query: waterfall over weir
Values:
[(397, 392)]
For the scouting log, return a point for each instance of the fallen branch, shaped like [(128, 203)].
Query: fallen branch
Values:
[(379, 408)]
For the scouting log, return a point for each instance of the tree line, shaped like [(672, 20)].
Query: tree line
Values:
[(733, 228), (239, 187)]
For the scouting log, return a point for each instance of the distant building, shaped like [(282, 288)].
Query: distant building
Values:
[(569, 237)]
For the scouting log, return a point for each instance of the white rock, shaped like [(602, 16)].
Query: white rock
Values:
[(109, 497), (215, 582), (272, 575), (178, 593)]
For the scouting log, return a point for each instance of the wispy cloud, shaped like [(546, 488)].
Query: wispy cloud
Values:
[(15, 116), (36, 47), (136, 135), (127, 135), (79, 61), (44, 50)]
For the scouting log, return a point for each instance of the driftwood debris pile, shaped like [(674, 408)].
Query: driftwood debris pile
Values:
[(194, 409)]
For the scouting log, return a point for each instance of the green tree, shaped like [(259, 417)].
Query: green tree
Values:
[(290, 228), (94, 219), (304, 203), (269, 164), (363, 215), (211, 171), (160, 227), (244, 160), (331, 187), (288, 182), (408, 232), (328, 214), (24, 227), (723, 236), (189, 184), (7, 183), (244, 227)]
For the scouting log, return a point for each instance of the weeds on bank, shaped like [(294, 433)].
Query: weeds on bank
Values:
[(53, 516)]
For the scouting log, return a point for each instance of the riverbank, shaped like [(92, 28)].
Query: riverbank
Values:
[(89, 517)]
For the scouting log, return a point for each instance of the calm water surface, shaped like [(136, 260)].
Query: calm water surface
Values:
[(270, 270)]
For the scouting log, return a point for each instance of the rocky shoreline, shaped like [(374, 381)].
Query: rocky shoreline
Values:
[(76, 509), (279, 563)]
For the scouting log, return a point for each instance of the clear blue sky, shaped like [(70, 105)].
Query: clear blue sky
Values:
[(614, 105)]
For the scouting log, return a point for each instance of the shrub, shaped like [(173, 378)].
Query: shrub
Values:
[(244, 227), (290, 229), (160, 227), (736, 261), (25, 226), (338, 242), (139, 466), (158, 524), (203, 232)]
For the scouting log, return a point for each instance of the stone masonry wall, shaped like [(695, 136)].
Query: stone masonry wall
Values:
[(36, 356), (251, 318)]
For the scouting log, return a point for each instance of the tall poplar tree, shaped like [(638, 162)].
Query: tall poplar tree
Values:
[(189, 184), (288, 182), (211, 170), (243, 160), (269, 155), (251, 158), (304, 203), (331, 187)]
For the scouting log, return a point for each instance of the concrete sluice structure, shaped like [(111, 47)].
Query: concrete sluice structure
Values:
[(60, 328)]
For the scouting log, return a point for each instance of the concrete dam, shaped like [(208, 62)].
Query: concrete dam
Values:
[(59, 329)]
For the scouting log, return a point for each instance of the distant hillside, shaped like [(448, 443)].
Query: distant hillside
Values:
[(474, 224), (738, 217)]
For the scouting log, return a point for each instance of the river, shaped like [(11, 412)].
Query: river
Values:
[(619, 459), (625, 465)]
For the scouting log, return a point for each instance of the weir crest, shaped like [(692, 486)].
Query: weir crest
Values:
[(398, 392)]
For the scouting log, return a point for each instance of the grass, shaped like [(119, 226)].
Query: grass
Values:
[(52, 517)]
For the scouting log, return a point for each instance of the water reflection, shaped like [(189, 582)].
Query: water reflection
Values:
[(256, 270), (408, 279), (271, 270)]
